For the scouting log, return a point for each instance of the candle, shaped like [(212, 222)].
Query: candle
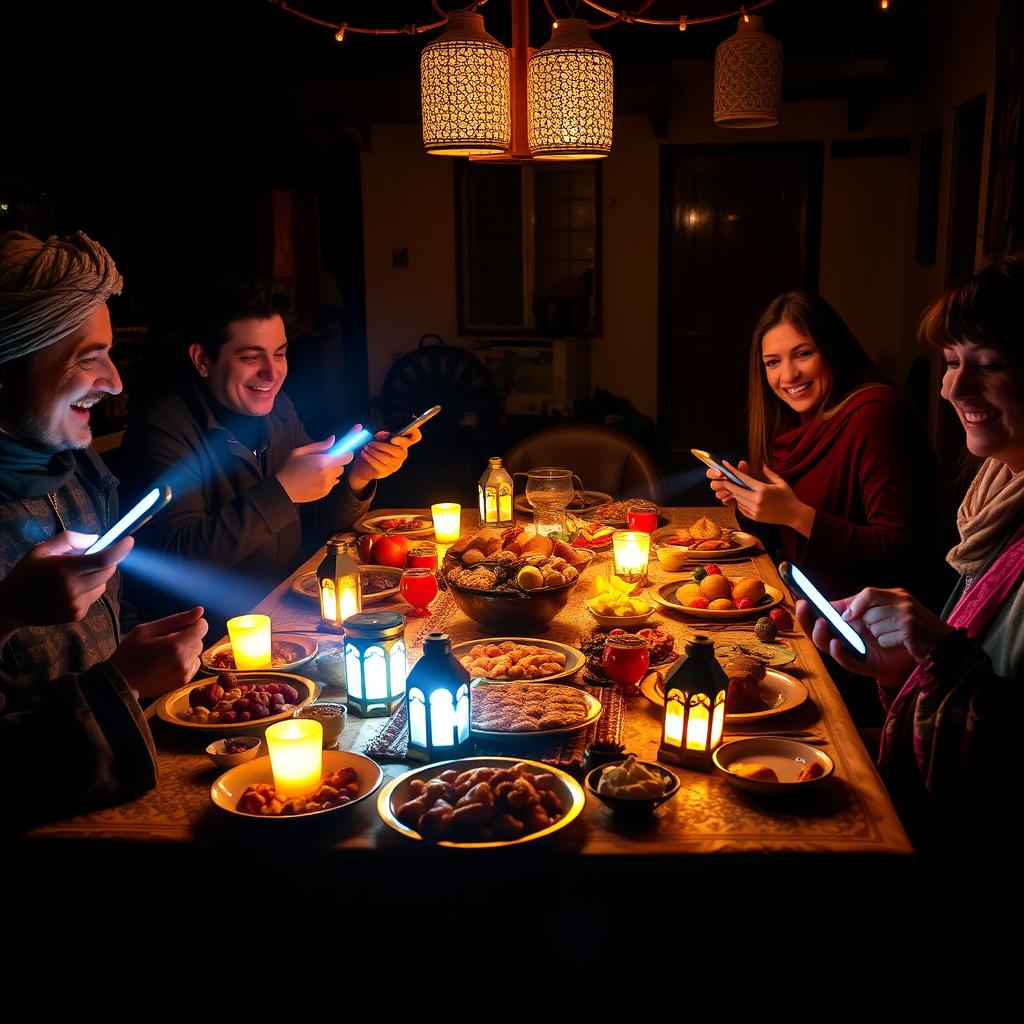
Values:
[(250, 641), (447, 521), (296, 755), (631, 551)]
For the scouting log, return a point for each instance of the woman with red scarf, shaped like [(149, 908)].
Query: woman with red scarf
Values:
[(953, 684), (839, 462)]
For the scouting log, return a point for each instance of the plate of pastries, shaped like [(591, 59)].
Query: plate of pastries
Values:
[(754, 690), (705, 539), (505, 659), (481, 802), (522, 711)]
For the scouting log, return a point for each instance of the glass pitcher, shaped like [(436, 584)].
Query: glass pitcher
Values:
[(549, 490)]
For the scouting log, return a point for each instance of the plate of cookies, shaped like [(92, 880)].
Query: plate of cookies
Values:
[(508, 659), (705, 539), (514, 711)]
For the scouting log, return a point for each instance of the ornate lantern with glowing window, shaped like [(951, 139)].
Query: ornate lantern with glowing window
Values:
[(695, 691), (375, 663), (340, 590), (495, 495), (438, 703)]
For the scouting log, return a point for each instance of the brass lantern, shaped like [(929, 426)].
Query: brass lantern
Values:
[(694, 717), (437, 702), (340, 589), (570, 95), (494, 494), (748, 77), (464, 85)]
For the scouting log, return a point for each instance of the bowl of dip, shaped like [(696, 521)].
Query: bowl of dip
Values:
[(330, 715)]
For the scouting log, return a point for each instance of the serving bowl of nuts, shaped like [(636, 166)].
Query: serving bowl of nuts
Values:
[(515, 580)]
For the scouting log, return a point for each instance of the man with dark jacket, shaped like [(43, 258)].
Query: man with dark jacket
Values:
[(55, 340), (252, 493)]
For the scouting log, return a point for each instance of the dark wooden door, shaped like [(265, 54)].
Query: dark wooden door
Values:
[(740, 225)]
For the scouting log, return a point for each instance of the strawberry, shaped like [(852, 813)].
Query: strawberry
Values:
[(744, 602), (782, 619), (712, 570)]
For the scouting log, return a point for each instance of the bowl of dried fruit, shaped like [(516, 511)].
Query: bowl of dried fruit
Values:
[(233, 750), (512, 581)]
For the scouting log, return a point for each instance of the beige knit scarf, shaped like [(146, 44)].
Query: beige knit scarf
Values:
[(994, 503)]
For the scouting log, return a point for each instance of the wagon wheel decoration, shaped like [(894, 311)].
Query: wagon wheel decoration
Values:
[(441, 375)]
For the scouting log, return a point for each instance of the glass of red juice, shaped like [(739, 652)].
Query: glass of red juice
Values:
[(626, 661), (422, 556), (643, 516), (419, 588)]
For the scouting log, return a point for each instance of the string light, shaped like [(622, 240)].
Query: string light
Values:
[(884, 4), (620, 17), (340, 34)]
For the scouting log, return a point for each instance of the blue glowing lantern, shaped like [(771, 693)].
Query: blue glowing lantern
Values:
[(438, 703), (375, 663)]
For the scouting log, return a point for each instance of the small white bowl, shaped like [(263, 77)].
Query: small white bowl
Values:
[(622, 621), (215, 751), (785, 757), (672, 557)]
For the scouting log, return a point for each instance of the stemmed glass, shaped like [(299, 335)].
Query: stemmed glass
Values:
[(419, 588)]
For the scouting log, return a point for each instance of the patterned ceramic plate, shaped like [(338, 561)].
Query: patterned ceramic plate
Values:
[(379, 582)]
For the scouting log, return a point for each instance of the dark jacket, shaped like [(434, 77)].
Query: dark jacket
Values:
[(70, 744), (86, 502), (72, 735), (229, 512)]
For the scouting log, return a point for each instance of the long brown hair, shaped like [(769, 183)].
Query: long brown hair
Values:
[(849, 365)]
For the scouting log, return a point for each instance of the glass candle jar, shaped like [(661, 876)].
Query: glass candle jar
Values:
[(631, 550)]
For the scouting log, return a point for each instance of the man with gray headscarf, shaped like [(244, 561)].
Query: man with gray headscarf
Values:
[(75, 683)]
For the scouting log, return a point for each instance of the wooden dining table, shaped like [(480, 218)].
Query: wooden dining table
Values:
[(712, 849)]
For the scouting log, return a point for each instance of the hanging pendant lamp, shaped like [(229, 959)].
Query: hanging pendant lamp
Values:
[(464, 85), (570, 96), (748, 77)]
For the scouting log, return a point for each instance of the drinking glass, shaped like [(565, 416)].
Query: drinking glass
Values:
[(419, 588)]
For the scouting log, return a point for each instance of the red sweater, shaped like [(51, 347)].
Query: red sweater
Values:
[(867, 471)]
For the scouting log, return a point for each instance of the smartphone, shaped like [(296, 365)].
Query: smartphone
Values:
[(418, 422), (796, 579), (350, 442), (710, 461), (157, 498)]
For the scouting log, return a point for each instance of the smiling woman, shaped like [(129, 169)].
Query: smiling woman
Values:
[(839, 463)]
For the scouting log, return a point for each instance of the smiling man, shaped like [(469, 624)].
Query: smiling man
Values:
[(252, 492), (69, 683)]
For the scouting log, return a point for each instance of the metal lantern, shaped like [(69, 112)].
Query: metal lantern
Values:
[(438, 703), (375, 667), (748, 77), (570, 95), (341, 592), (694, 717), (464, 85), (494, 492)]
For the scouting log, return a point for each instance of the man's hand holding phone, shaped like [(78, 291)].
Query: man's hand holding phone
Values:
[(381, 457), (312, 470), (54, 582)]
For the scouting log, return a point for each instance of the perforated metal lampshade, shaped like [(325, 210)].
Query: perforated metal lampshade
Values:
[(464, 86), (570, 95), (748, 77)]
